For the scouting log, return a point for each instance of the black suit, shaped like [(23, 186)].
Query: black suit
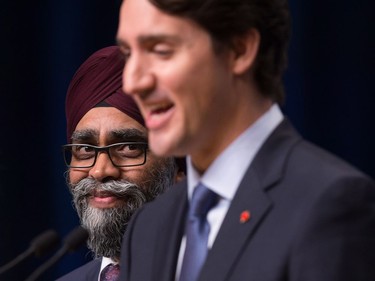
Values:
[(87, 272), (312, 219)]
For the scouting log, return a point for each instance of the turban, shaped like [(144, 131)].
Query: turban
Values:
[(97, 80)]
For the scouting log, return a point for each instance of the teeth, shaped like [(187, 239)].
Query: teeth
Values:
[(157, 115), (161, 108)]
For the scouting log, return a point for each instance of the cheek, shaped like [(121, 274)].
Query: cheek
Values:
[(147, 174), (196, 98), (76, 175), (133, 175), (195, 84)]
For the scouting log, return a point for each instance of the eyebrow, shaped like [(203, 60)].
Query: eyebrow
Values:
[(146, 39), (120, 135), (84, 135), (158, 38), (121, 43), (129, 134)]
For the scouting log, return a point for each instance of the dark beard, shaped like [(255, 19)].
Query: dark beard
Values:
[(106, 227)]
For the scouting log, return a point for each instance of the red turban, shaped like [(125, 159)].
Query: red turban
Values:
[(98, 79)]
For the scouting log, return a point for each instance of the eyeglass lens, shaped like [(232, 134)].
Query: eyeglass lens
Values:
[(121, 154)]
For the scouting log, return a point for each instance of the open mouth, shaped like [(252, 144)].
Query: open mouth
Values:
[(159, 115), (160, 109)]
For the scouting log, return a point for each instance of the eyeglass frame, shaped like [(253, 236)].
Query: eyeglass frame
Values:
[(106, 148)]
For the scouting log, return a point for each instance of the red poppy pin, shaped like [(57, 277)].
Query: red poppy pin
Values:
[(245, 216)]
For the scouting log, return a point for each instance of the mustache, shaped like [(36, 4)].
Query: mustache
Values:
[(119, 188), (87, 186)]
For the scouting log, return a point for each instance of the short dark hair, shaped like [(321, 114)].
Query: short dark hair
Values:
[(226, 19)]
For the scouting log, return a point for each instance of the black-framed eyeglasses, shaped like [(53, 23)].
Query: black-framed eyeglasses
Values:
[(123, 154)]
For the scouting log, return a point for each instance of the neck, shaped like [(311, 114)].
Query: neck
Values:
[(246, 112)]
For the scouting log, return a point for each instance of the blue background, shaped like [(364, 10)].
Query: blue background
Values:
[(329, 85)]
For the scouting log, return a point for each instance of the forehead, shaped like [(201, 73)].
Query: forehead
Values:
[(140, 19), (103, 121)]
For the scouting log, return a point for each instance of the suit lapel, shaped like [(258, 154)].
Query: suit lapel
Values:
[(93, 274), (170, 233), (234, 234), (251, 196)]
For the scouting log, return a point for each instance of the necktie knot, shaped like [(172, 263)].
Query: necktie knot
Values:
[(202, 201), (110, 273)]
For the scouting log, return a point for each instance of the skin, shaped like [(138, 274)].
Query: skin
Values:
[(100, 127), (194, 101)]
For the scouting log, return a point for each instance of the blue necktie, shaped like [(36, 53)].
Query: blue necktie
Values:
[(197, 230)]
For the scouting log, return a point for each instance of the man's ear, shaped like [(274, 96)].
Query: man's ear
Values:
[(245, 50)]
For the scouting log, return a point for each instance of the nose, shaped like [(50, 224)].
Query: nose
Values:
[(137, 77), (103, 170)]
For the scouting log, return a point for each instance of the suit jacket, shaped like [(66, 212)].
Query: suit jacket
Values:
[(312, 219), (87, 272)]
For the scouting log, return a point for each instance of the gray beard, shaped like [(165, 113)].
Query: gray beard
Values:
[(106, 227)]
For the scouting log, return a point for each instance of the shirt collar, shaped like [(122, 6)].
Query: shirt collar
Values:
[(106, 261), (224, 175)]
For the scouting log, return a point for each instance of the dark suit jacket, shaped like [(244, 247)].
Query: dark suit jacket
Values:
[(312, 219), (87, 272)]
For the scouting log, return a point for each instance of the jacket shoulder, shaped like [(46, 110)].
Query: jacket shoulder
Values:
[(88, 271)]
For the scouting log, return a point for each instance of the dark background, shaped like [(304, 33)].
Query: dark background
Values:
[(330, 99)]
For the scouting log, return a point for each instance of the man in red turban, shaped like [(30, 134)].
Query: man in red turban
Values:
[(111, 170)]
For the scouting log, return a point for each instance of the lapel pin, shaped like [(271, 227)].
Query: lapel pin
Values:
[(245, 216)]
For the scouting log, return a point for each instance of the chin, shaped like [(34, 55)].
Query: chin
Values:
[(160, 150), (161, 146)]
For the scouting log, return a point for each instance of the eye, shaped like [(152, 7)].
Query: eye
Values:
[(82, 152), (162, 49), (130, 150)]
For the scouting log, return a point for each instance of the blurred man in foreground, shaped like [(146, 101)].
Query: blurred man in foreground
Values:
[(260, 202)]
